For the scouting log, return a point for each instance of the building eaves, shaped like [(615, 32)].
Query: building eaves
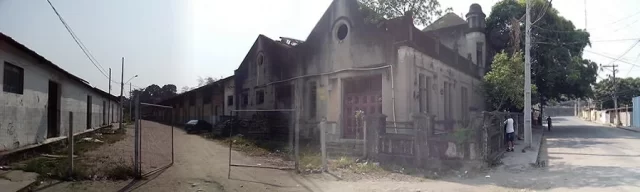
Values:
[(48, 63)]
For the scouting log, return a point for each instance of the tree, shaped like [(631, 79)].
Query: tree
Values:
[(557, 67), (424, 11), (168, 91), (627, 88), (503, 85), (185, 89), (206, 81)]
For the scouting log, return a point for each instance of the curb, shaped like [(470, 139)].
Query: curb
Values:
[(629, 129), (29, 187), (541, 161)]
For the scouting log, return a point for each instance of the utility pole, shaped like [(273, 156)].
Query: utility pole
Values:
[(527, 79), (585, 15), (109, 100), (130, 102), (615, 91), (120, 115)]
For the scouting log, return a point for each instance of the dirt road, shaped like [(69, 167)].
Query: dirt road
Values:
[(200, 165)]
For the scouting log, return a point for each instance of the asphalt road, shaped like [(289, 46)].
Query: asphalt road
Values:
[(589, 157)]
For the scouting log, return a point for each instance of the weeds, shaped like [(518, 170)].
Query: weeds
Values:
[(84, 168), (310, 161), (362, 167), (119, 171)]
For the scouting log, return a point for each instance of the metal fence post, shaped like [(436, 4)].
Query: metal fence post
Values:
[(70, 139), (323, 143), (136, 163)]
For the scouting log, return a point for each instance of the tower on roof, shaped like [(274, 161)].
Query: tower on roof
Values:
[(476, 41), (475, 17)]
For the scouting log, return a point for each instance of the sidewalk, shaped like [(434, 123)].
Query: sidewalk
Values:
[(15, 180), (519, 160), (634, 129)]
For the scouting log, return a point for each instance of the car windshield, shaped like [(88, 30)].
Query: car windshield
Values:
[(192, 122)]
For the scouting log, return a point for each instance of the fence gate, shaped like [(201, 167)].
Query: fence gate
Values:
[(153, 138)]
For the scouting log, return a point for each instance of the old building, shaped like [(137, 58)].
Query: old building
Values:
[(38, 96), (207, 103), (350, 64)]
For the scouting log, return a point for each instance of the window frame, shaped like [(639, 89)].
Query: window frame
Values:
[(17, 73)]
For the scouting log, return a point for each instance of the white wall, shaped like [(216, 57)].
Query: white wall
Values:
[(411, 63), (23, 117)]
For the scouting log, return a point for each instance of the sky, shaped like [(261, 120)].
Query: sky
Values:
[(176, 42)]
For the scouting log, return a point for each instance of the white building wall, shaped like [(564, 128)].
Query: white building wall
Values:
[(411, 63), (23, 117)]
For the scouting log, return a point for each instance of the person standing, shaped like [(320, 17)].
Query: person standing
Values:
[(510, 133)]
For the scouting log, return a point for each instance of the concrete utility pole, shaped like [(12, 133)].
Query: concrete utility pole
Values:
[(527, 78), (615, 91), (130, 102), (109, 100), (120, 115)]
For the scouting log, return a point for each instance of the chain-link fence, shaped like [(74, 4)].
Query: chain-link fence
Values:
[(270, 135), (154, 137)]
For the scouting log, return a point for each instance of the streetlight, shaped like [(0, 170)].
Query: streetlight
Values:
[(130, 98)]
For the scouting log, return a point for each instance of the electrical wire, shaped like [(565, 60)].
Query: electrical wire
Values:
[(77, 40)]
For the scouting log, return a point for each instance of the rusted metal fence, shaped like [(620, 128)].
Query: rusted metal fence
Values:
[(424, 139)]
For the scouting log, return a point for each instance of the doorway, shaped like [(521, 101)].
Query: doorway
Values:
[(89, 111), (53, 110), (360, 94)]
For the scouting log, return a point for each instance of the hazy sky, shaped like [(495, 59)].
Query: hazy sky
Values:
[(176, 41)]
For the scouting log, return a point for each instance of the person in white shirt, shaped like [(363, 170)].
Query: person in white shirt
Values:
[(510, 133)]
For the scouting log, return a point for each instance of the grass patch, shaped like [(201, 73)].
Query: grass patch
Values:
[(310, 161), (119, 171), (57, 167), (357, 167)]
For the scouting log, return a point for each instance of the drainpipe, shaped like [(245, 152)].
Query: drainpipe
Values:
[(393, 98)]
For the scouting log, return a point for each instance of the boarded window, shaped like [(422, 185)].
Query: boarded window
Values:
[(312, 99), (192, 99), (421, 87), (13, 79), (464, 105), (446, 100), (260, 97), (479, 50), (229, 100), (245, 99), (427, 94)]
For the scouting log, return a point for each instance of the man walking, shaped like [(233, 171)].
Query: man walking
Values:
[(510, 133)]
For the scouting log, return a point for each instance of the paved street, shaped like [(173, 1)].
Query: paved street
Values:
[(588, 156)]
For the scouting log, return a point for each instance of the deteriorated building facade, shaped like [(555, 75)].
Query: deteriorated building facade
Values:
[(348, 64)]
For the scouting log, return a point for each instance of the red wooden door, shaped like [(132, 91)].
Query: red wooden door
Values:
[(361, 93)]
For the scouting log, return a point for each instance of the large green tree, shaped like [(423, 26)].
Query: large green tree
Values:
[(424, 11), (626, 89), (557, 67), (503, 85)]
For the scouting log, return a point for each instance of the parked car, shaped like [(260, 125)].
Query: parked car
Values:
[(197, 126)]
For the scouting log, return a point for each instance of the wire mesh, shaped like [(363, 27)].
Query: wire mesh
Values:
[(267, 134), (155, 137)]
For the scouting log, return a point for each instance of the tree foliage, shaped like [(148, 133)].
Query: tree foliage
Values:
[(503, 85), (557, 67), (154, 93), (627, 88), (424, 11)]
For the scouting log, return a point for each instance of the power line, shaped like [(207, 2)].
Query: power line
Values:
[(621, 19), (620, 60), (77, 40), (625, 52)]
